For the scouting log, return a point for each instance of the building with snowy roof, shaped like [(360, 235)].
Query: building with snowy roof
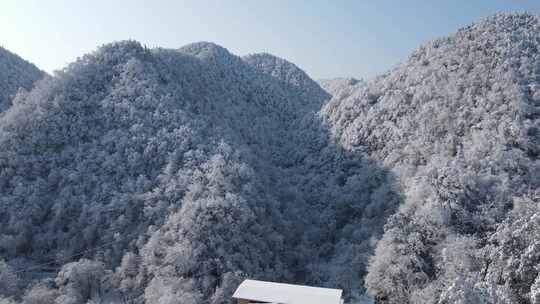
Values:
[(253, 291)]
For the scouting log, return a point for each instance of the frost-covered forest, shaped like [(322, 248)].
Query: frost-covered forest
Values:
[(139, 175)]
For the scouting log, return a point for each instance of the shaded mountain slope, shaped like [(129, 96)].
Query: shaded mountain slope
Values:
[(15, 73)]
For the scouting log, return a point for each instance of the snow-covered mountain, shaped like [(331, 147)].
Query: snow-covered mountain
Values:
[(458, 124), (15, 73), (154, 174)]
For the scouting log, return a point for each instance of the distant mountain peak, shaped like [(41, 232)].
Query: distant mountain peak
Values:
[(287, 72), (335, 85), (205, 50)]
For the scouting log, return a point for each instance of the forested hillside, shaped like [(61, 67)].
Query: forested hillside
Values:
[(15, 73), (457, 123)]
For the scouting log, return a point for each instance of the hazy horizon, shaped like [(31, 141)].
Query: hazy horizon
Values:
[(351, 39)]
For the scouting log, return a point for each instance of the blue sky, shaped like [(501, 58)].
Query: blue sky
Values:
[(325, 38)]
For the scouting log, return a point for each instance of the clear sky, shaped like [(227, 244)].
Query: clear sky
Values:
[(356, 38)]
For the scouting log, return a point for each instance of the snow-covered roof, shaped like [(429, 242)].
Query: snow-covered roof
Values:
[(262, 291)]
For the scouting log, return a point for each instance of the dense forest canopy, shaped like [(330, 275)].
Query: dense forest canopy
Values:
[(139, 175)]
